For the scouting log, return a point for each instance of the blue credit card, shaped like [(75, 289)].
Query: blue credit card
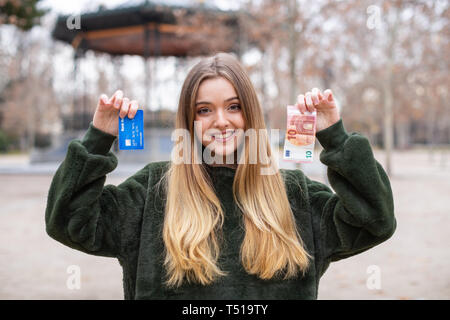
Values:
[(131, 132)]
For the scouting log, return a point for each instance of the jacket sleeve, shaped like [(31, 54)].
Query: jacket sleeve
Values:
[(81, 212), (360, 215)]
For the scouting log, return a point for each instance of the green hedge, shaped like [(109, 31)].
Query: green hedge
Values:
[(4, 142)]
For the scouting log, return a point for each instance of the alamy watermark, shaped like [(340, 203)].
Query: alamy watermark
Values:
[(374, 18), (374, 280), (74, 280), (73, 22)]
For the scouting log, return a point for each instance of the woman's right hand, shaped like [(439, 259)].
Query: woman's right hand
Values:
[(105, 117)]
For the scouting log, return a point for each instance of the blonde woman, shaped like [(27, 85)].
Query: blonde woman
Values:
[(221, 229)]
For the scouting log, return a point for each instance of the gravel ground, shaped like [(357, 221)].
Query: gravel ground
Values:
[(413, 264)]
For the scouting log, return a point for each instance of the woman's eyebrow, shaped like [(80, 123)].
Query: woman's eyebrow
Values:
[(207, 102)]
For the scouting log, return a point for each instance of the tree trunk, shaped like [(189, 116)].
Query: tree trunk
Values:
[(293, 8), (402, 133), (389, 95)]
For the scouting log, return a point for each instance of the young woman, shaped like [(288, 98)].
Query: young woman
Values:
[(199, 230)]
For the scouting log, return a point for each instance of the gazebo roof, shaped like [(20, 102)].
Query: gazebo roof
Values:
[(147, 29)]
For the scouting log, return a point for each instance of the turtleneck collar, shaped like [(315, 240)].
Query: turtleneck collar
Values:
[(221, 170)]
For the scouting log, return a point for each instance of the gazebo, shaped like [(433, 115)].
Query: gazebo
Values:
[(149, 29)]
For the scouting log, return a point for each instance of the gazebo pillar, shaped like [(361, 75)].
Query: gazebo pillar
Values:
[(73, 122), (147, 68), (117, 62), (149, 51)]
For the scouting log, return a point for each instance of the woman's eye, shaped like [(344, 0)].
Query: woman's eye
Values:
[(205, 110), (202, 109)]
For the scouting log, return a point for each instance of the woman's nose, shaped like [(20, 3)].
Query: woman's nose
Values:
[(221, 120)]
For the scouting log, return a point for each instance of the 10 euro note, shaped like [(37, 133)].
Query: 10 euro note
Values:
[(300, 135)]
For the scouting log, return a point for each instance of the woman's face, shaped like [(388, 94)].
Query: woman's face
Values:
[(219, 112)]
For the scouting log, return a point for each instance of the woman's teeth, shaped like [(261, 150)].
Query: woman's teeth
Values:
[(224, 137)]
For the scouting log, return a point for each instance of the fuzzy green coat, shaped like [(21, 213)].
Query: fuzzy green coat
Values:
[(126, 221)]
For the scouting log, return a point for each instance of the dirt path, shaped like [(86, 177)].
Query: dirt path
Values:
[(413, 264)]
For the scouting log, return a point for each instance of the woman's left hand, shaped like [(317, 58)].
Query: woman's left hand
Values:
[(324, 104)]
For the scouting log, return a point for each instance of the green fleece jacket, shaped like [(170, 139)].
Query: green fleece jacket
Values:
[(126, 221)]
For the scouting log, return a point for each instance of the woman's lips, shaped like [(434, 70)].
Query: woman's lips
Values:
[(224, 139)]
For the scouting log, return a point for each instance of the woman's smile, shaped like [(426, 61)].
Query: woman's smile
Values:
[(223, 138)]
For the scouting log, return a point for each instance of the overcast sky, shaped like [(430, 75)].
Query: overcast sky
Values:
[(69, 7)]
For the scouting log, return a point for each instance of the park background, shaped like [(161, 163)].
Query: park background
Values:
[(387, 63)]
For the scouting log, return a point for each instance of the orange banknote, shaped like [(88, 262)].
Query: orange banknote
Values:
[(300, 135)]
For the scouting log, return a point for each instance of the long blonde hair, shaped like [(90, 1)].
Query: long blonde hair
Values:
[(194, 217)]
